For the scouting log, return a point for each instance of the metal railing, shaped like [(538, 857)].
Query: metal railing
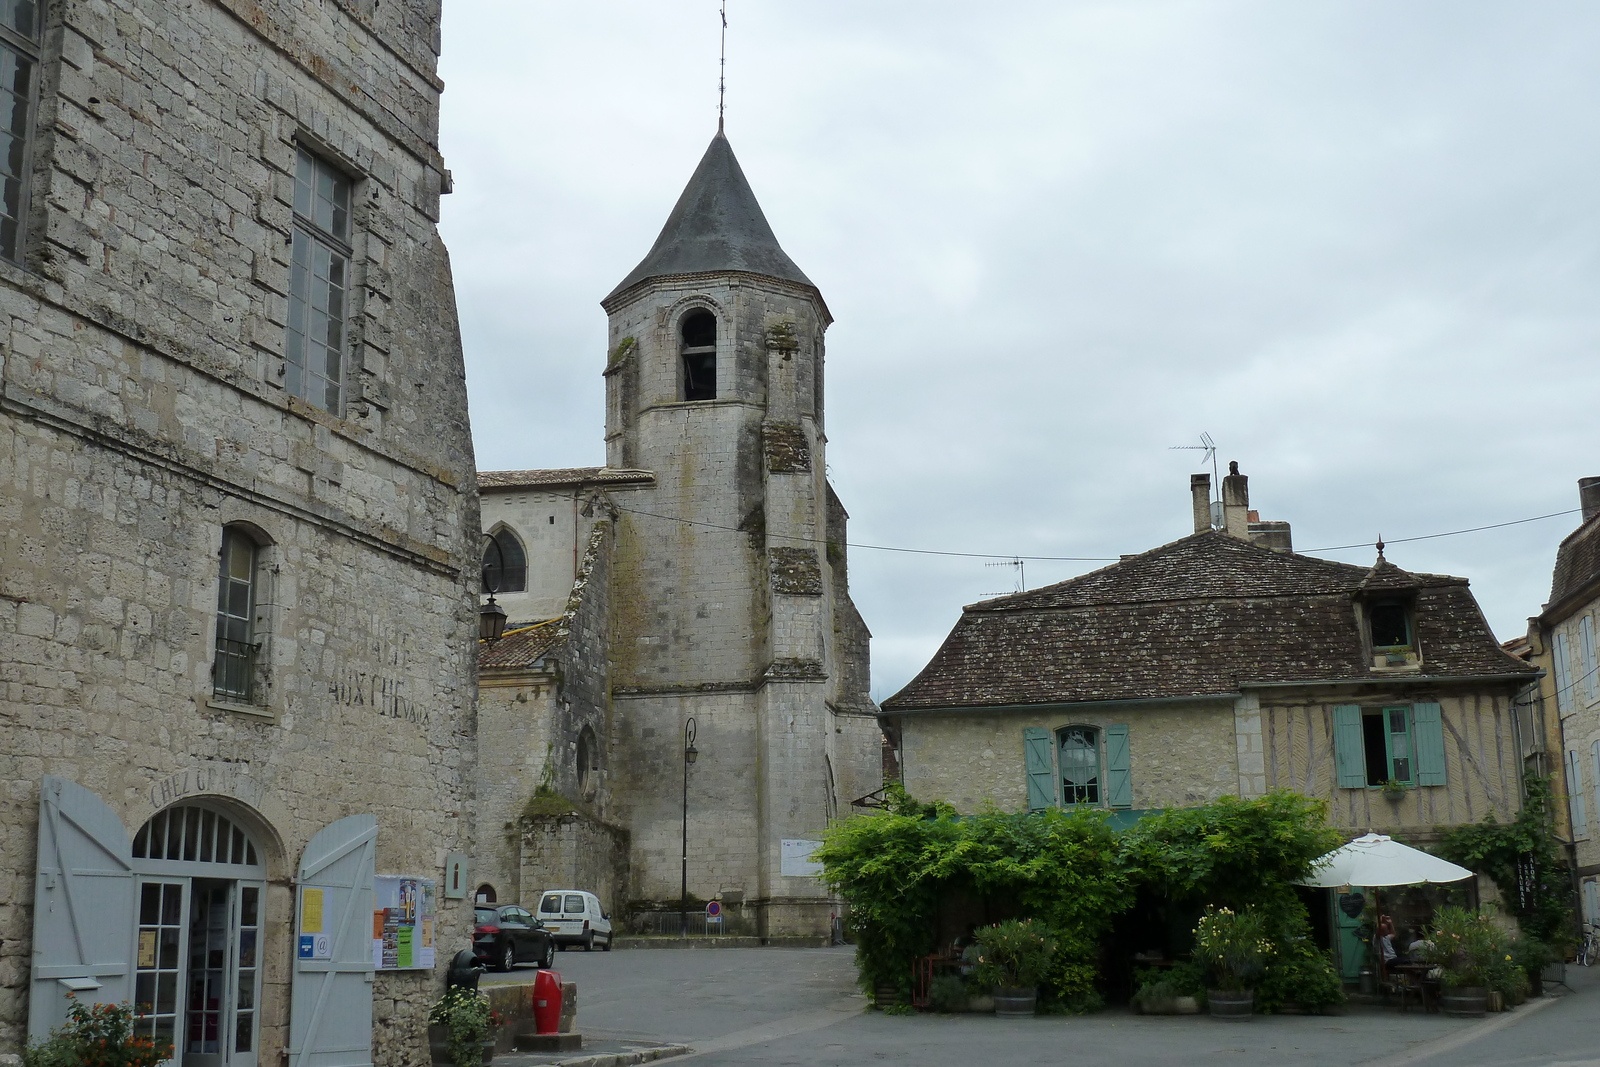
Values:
[(669, 923), (233, 671)]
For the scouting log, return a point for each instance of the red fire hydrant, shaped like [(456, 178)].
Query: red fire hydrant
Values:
[(547, 1002)]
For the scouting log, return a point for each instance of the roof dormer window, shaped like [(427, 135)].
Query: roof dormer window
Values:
[(1391, 625)]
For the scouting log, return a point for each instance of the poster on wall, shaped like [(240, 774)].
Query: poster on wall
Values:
[(402, 922), (795, 858)]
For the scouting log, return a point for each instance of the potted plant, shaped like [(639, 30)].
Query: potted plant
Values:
[(1179, 990), (1013, 958), (1394, 789), (460, 1031), (1465, 948), (99, 1035), (1233, 947)]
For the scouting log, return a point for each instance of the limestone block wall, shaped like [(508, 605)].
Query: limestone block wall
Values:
[(573, 851), (1579, 717), (1483, 769), (1180, 754), (142, 409), (548, 525), (516, 717)]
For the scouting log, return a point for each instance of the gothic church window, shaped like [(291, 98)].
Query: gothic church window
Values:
[(699, 333), (19, 71), (233, 667), (588, 762), (319, 283), (505, 564)]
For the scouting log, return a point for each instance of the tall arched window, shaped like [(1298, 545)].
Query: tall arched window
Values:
[(234, 662), (588, 761), (1080, 764), (699, 333), (505, 565)]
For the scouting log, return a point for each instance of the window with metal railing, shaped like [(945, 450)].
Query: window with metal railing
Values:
[(233, 666)]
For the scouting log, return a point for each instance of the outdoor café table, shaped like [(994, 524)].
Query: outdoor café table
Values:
[(1412, 978)]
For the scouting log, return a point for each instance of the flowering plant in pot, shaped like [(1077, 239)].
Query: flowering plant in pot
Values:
[(1233, 947), (1012, 957), (98, 1035), (462, 1017), (1465, 947)]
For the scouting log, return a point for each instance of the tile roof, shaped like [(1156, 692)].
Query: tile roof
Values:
[(561, 476), (1577, 562), (520, 648), (1202, 615)]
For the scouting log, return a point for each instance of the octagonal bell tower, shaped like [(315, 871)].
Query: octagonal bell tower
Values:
[(729, 598)]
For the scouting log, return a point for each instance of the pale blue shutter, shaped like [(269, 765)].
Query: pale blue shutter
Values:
[(1565, 698), (1575, 797), (1119, 783), (1427, 729), (1349, 753), (1586, 648), (83, 905), (330, 1017), (1594, 759), (1041, 774)]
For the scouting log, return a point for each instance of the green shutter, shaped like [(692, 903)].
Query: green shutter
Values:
[(1041, 774), (1349, 753), (1119, 785), (1427, 728)]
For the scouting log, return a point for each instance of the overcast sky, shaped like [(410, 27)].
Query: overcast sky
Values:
[(1353, 241)]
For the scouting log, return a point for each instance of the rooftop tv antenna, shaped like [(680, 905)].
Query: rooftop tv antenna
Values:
[(1209, 447), (722, 69), (1022, 575)]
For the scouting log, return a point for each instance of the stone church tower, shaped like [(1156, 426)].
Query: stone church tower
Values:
[(729, 598)]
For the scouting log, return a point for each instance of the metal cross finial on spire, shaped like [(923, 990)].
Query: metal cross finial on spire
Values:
[(722, 69)]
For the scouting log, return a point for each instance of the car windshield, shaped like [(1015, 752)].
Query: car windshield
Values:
[(484, 916)]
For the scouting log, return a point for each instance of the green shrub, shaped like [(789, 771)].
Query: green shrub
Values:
[(947, 992), (1185, 978), (1466, 947), (1012, 955), (98, 1035), (1299, 973)]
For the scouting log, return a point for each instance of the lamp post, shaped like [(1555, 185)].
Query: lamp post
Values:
[(492, 617), (689, 755)]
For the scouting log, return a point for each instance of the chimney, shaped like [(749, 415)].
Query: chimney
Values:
[(1236, 502), (1200, 491), (1589, 497)]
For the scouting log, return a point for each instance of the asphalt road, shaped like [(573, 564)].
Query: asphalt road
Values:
[(800, 1007)]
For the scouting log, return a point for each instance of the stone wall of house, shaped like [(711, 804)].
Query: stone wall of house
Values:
[(1483, 768), (516, 711), (572, 850), (143, 411), (1179, 753), (552, 533)]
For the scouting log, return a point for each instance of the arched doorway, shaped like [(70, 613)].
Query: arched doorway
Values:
[(197, 961)]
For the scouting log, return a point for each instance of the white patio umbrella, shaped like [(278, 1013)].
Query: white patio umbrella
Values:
[(1376, 860)]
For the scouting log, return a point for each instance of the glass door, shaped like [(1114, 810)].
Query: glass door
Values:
[(158, 957), (210, 959)]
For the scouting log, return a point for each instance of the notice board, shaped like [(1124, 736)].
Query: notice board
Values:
[(403, 914)]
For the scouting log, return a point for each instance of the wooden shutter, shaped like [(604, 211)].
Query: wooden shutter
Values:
[(83, 904), (1565, 698), (1587, 666), (1594, 760), (1349, 752), (1427, 730), (1119, 784), (1575, 797), (330, 1020), (1041, 770)]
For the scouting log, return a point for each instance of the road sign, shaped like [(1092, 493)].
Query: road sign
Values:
[(714, 909)]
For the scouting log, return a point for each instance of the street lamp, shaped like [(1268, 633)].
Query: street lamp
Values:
[(492, 617), (690, 754)]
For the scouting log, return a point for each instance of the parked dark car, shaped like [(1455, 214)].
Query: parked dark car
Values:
[(505, 935)]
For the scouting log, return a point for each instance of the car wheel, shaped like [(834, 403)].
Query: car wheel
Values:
[(508, 957), (549, 960), (607, 946), (588, 942)]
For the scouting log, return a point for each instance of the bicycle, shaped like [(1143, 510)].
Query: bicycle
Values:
[(1589, 948)]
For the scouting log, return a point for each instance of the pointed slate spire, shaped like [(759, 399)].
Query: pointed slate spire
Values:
[(717, 225)]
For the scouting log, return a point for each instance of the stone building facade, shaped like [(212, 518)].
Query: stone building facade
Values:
[(1563, 640), (238, 568), (1224, 664), (728, 593)]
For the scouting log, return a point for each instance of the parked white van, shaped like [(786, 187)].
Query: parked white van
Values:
[(573, 917)]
